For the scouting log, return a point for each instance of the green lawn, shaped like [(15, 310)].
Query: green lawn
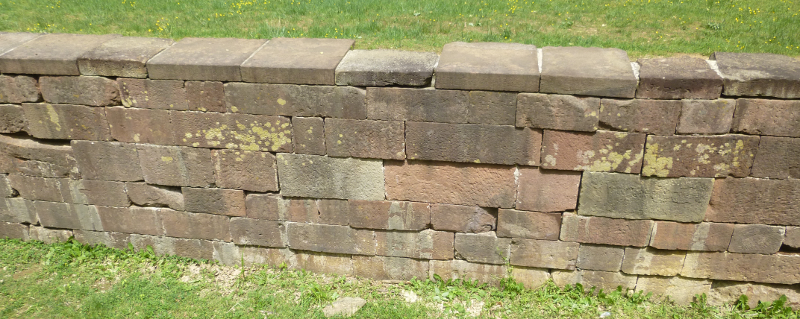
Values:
[(642, 27)]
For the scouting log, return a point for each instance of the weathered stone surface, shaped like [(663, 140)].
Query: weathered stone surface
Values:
[(497, 108), (530, 278), (51, 54), (792, 237), (191, 248), (245, 170), (326, 264), (365, 138), (14, 230), (462, 269), (298, 61), (389, 215), (153, 94), (756, 239), (133, 220), (214, 201), (69, 216), (386, 68), (587, 71), (755, 201), (648, 261), (196, 226), (389, 268), (767, 117), (140, 125), (5, 187), (331, 239), (325, 177), (777, 157), (483, 248), (49, 236), (18, 89), (461, 184), (703, 236), (463, 219), (778, 268), (123, 56), (36, 188), (345, 307), (605, 258), (680, 77), (265, 256), (547, 191), (82, 90), (227, 253), (723, 293), (308, 136), (11, 40), (543, 253), (488, 66), (176, 166), (759, 74), (699, 156), (265, 206), (13, 119), (427, 244), (151, 195), (604, 151), (109, 161), (680, 290), (96, 238), (608, 281), (322, 211), (105, 193), (31, 157), (66, 122), (607, 231), (233, 131), (471, 143), (200, 59), (706, 116), (535, 225), (419, 105), (257, 232), (205, 96), (645, 116), (558, 112), (296, 100), (634, 197)]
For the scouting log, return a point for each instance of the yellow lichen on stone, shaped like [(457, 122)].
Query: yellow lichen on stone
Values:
[(281, 101), (549, 160), (136, 137), (51, 112), (234, 109), (166, 159), (654, 165)]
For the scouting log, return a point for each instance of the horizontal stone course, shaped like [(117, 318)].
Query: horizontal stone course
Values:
[(326, 177), (365, 139), (700, 156), (605, 231), (122, 57), (386, 68), (604, 151), (685, 236), (66, 122), (558, 112), (488, 66), (51, 54), (755, 201), (681, 77), (296, 100), (471, 143), (759, 74), (587, 71), (778, 268), (300, 61), (203, 59), (641, 115)]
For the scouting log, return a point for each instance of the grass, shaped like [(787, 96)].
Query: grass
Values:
[(70, 280), (642, 27)]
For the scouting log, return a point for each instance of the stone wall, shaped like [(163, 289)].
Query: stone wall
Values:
[(676, 176)]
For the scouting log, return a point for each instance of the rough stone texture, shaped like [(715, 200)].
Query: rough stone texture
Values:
[(233, 131), (461, 184), (265, 206), (645, 116), (227, 253), (601, 151), (543, 253), (153, 94), (530, 278), (497, 108), (35, 188), (13, 230), (195, 226), (756, 239), (759, 74), (51, 54), (706, 116), (69, 216), (723, 293), (299, 61), (608, 281), (267, 233), (365, 138), (140, 125), (472, 143), (634, 197), (792, 237), (176, 166), (331, 239), (535, 225), (205, 96), (767, 117), (703, 236), (419, 105), (250, 171), (5, 187), (345, 307), (123, 56), (587, 71), (488, 66), (82, 90), (191, 248), (699, 156), (203, 59), (19, 89), (558, 112), (547, 191), (389, 268), (461, 269), (49, 236), (463, 219), (326, 264), (483, 248), (104, 193), (778, 268), (389, 215), (259, 256), (322, 211), (108, 239), (607, 231), (605, 258), (648, 261), (755, 201), (777, 157), (11, 40), (680, 77), (386, 68), (214, 201), (134, 220), (13, 119), (66, 122), (308, 136), (151, 195), (325, 177), (680, 290), (31, 157), (427, 244), (109, 161), (296, 100)]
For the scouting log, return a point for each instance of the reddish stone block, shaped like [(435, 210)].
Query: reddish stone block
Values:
[(190, 248), (140, 126), (108, 161), (153, 94), (483, 248), (603, 151), (778, 268), (498, 108), (767, 117), (296, 100), (364, 138), (233, 131), (122, 57), (214, 201), (14, 230), (543, 254), (606, 231), (587, 71), (143, 194), (37, 188), (205, 96), (756, 239), (645, 116), (66, 122), (133, 220), (176, 166), (81, 90), (463, 219), (389, 268), (427, 244), (257, 232), (331, 239), (777, 157), (679, 236), (605, 258), (418, 105), (696, 156), (681, 77), (308, 136), (389, 215), (68, 216), (755, 201), (195, 226), (30, 157), (558, 112), (19, 89), (212, 59), (706, 116), (534, 225), (264, 206), (250, 171), (305, 61), (547, 191), (13, 120), (488, 66), (105, 193), (648, 261)]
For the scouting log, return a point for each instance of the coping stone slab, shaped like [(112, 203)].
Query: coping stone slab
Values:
[(51, 54), (296, 61), (759, 74), (488, 66), (203, 59), (681, 77), (122, 57), (10, 40), (386, 68), (587, 71)]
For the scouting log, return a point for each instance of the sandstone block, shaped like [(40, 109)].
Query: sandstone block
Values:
[(64, 121), (535, 225), (51, 54), (69, 216), (587, 71), (13, 230), (767, 117), (107, 160), (195, 226), (530, 278), (778, 268), (723, 293), (696, 156), (645, 116), (133, 220), (122, 56), (83, 90), (227, 253), (233, 131), (605, 231), (49, 236), (176, 166), (140, 126), (463, 219), (418, 105), (245, 170), (37, 188), (389, 215), (605, 258), (19, 89), (365, 138), (5, 187), (605, 280), (471, 143), (756, 239), (18, 210), (462, 269), (759, 74), (153, 94), (680, 77), (331, 239), (11, 40), (792, 237), (296, 100), (257, 232), (604, 151), (308, 136), (427, 244), (484, 248), (755, 201), (498, 108), (648, 261), (30, 157), (679, 290), (264, 206), (703, 236), (151, 195), (325, 177), (488, 66), (389, 268), (777, 157), (706, 116), (190, 248), (216, 201), (558, 112), (96, 238), (543, 253), (300, 61), (323, 211), (386, 68), (205, 96), (547, 191), (203, 59), (105, 193), (326, 264), (255, 256)]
